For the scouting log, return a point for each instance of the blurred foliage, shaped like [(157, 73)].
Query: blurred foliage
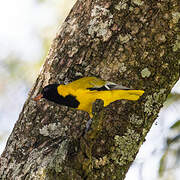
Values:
[(176, 125), (172, 97), (14, 70), (170, 160), (41, 1)]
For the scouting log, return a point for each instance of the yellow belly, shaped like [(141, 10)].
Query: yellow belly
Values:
[(87, 98)]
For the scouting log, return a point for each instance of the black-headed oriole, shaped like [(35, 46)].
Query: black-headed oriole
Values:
[(82, 93)]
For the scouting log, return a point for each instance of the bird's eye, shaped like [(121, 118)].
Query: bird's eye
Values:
[(45, 89), (50, 88)]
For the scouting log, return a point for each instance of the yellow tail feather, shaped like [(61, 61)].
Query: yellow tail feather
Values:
[(114, 95)]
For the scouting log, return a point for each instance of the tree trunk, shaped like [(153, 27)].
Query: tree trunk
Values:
[(130, 42)]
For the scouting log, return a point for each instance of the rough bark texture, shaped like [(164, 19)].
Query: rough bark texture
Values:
[(132, 42)]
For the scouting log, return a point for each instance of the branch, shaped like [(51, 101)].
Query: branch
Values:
[(135, 44)]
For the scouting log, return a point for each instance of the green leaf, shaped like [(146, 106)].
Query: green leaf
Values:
[(176, 125), (162, 166)]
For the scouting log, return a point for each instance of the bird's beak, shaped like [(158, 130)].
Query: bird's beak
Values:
[(38, 97)]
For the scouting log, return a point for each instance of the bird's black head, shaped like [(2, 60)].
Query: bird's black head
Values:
[(50, 92)]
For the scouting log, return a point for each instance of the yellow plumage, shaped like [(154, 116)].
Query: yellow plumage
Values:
[(86, 90)]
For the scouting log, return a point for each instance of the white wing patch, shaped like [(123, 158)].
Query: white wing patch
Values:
[(112, 85), (109, 86)]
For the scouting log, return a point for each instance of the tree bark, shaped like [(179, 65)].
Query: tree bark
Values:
[(130, 42)]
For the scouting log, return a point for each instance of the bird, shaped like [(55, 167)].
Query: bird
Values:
[(82, 93)]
